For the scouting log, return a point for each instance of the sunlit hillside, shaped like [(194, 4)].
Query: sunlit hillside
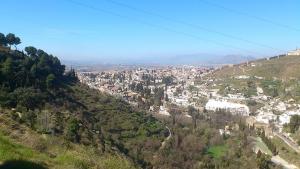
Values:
[(284, 67)]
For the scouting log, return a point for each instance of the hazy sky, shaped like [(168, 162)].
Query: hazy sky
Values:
[(122, 30)]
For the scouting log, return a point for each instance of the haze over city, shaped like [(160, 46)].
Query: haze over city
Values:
[(200, 31)]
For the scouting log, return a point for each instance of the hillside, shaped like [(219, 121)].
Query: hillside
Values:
[(284, 68), (21, 147), (277, 76), (50, 120), (46, 104)]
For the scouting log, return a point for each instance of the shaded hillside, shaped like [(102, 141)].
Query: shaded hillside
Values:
[(36, 91)]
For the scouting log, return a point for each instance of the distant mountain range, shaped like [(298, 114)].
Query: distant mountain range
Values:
[(191, 59), (233, 59), (207, 59)]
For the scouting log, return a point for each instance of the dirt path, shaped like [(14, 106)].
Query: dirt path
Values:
[(163, 144), (279, 161)]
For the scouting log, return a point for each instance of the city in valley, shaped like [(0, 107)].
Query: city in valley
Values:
[(159, 89), (150, 84)]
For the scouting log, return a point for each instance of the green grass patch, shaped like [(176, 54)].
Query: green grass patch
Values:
[(13, 155), (9, 150), (112, 162), (217, 151)]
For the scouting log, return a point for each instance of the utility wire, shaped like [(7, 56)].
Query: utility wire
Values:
[(250, 15), (159, 26), (195, 26)]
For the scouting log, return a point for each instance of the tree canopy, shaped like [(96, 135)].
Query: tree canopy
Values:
[(10, 39), (34, 69)]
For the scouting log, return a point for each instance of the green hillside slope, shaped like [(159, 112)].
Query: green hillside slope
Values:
[(36, 91), (21, 147)]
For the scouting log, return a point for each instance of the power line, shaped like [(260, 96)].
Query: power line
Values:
[(251, 16), (195, 26), (159, 26)]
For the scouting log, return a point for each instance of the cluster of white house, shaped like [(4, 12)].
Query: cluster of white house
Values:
[(263, 116), (284, 118)]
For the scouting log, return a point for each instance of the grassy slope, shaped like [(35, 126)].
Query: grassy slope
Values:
[(124, 131), (217, 151), (286, 152), (21, 144), (55, 104), (259, 144), (283, 68)]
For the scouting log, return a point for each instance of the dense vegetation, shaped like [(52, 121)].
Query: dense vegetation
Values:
[(21, 147), (202, 146), (48, 99), (294, 124), (268, 142)]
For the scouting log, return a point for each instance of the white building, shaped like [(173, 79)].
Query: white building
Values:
[(181, 101), (294, 52), (286, 117), (265, 117), (234, 108)]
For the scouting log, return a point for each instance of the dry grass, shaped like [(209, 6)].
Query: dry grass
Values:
[(283, 68)]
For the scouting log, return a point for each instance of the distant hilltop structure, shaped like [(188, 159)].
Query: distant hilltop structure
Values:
[(294, 52)]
